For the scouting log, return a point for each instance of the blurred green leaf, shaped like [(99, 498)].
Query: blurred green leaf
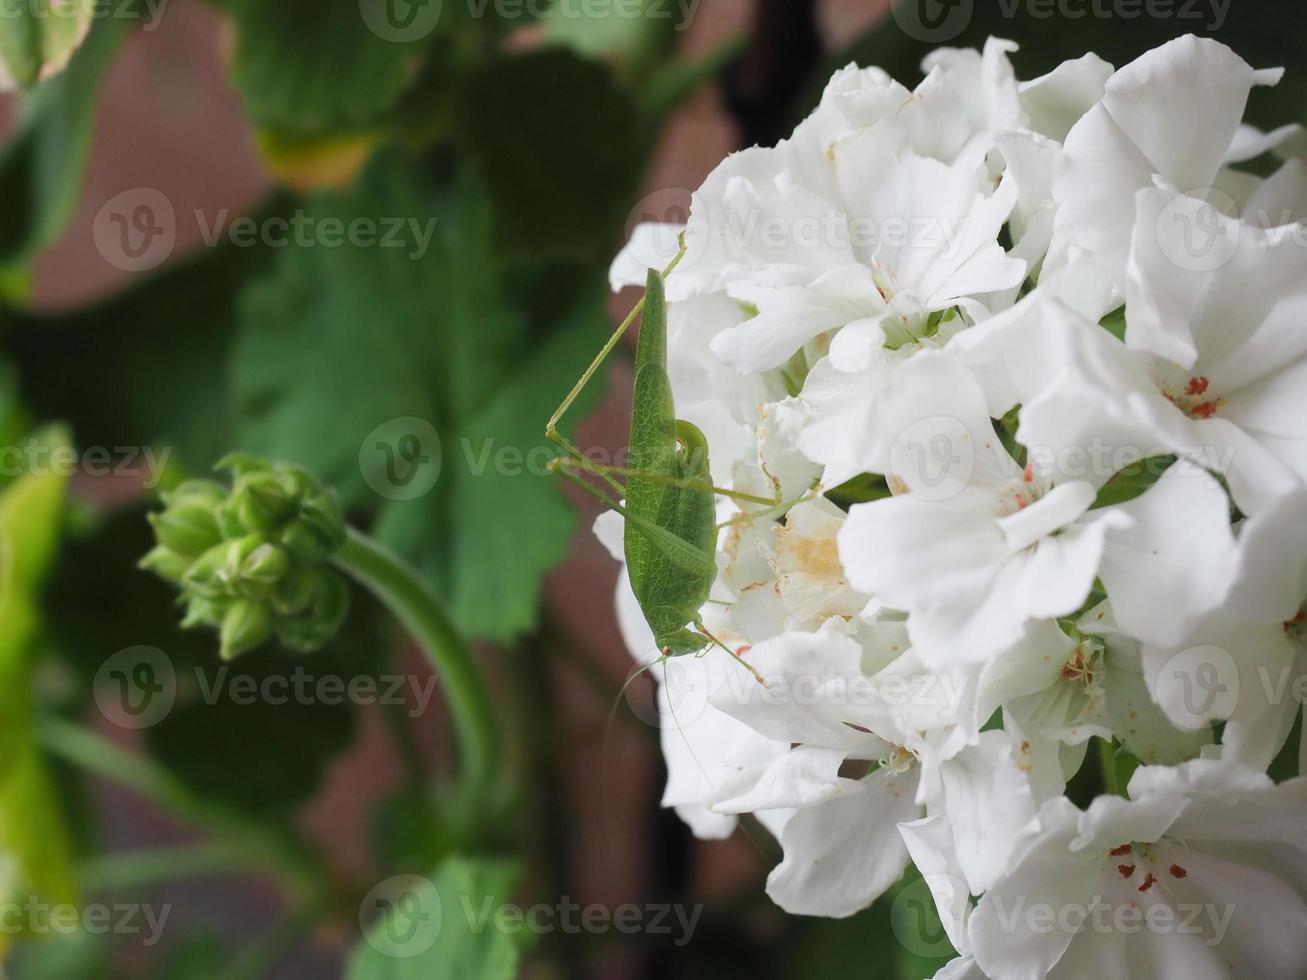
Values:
[(78, 957), (260, 733), (42, 165), (1132, 481), (453, 912), (598, 28), (150, 366), (562, 154), (312, 67), (341, 342), (37, 37), (35, 855)]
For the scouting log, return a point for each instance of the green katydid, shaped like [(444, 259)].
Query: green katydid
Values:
[(670, 512)]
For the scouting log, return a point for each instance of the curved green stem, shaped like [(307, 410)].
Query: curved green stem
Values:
[(414, 604)]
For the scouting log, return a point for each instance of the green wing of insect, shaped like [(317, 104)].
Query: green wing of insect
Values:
[(671, 584)]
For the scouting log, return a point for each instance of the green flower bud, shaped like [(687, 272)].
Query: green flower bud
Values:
[(246, 625), (252, 561), (205, 612), (166, 563), (320, 617), (322, 511), (205, 576), (233, 561), (263, 569), (303, 540), (189, 529), (263, 502)]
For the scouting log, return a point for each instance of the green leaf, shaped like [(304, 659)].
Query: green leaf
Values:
[(599, 28), (42, 166), (37, 37), (1132, 481), (1114, 323), (311, 67), (442, 928), (561, 164), (34, 846), (346, 349), (149, 367)]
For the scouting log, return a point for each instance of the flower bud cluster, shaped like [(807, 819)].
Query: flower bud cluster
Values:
[(252, 560)]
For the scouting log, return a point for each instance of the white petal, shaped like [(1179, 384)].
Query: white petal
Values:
[(1173, 562), (842, 855), (652, 246)]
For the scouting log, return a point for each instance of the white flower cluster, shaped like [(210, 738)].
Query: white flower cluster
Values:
[(1025, 365)]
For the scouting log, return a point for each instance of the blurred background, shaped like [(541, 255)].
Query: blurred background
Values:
[(349, 233)]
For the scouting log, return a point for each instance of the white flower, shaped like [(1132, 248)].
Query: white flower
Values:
[(1203, 872), (1023, 366), (977, 547), (1174, 112)]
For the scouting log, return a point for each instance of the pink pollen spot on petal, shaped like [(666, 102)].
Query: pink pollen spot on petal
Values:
[(1149, 882), (1178, 872), (1127, 870), (1198, 386), (1118, 851)]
